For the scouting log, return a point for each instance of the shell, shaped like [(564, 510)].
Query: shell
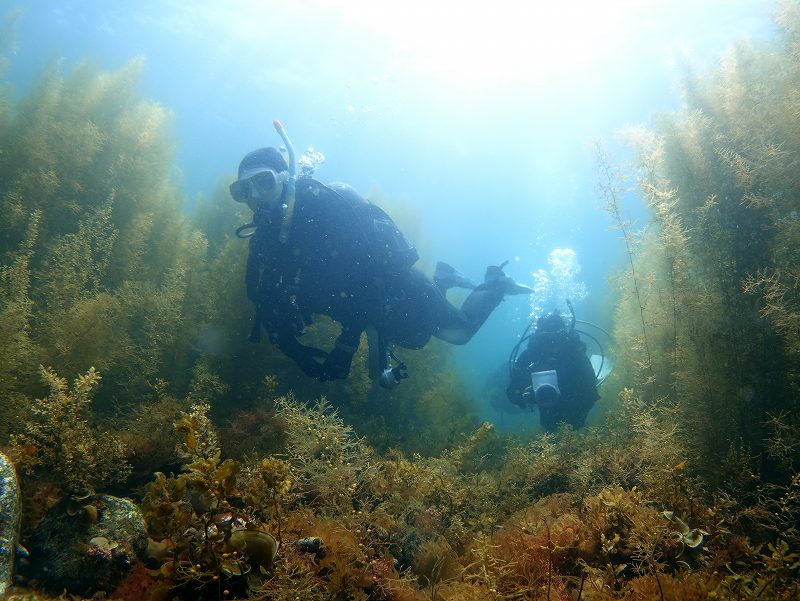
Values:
[(257, 546)]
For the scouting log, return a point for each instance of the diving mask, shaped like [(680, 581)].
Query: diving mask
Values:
[(264, 185)]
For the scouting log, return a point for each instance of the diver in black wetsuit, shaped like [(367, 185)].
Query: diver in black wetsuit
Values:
[(554, 373), (326, 250)]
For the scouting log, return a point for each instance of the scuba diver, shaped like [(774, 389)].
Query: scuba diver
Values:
[(554, 373), (324, 249)]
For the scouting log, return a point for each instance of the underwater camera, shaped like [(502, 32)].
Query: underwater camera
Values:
[(545, 387)]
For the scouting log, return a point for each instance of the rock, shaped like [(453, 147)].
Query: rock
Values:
[(10, 511), (87, 546), (312, 544)]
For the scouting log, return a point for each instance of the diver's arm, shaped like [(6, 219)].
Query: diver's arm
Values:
[(305, 356), (588, 380), (257, 264), (365, 303), (337, 364), (284, 322), (252, 281), (519, 380), (581, 387)]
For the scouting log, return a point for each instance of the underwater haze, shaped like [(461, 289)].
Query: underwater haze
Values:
[(479, 117)]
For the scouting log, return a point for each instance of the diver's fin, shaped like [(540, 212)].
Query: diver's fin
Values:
[(447, 276), (496, 277), (513, 287)]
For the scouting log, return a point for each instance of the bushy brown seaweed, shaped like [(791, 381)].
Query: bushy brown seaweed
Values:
[(59, 444), (705, 315)]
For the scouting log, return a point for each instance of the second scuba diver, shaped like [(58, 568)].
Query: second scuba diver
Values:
[(554, 373)]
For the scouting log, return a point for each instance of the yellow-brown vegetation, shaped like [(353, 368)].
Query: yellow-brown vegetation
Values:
[(59, 444), (706, 316)]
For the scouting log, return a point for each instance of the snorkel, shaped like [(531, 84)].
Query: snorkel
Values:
[(288, 209)]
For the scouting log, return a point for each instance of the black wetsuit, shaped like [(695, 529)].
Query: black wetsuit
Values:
[(346, 258), (566, 353)]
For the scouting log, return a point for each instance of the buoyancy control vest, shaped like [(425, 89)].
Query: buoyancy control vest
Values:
[(338, 246)]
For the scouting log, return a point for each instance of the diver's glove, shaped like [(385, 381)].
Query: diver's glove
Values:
[(522, 398), (527, 398), (337, 363), (392, 376)]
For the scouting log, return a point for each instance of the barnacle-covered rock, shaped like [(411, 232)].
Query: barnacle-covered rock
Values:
[(85, 556), (10, 507)]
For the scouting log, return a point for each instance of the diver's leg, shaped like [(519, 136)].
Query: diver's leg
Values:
[(418, 309), (413, 309), (446, 276), (458, 326)]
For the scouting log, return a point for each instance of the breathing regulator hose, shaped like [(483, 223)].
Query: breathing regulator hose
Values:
[(572, 313)]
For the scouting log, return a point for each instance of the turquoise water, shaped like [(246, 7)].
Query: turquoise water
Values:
[(477, 120)]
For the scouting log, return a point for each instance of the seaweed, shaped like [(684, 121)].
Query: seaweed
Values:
[(714, 273), (59, 444), (18, 350)]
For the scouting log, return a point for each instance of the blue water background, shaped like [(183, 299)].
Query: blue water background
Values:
[(490, 156)]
